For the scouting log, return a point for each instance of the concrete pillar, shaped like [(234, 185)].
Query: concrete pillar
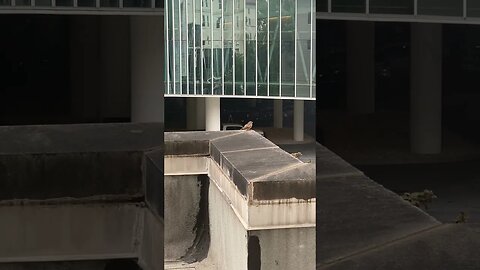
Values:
[(360, 67), (191, 106), (84, 67), (426, 88), (298, 120), (278, 113), (147, 64), (200, 115), (115, 67), (212, 113)]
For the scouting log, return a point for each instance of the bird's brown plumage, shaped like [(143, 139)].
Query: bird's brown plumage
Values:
[(248, 126)]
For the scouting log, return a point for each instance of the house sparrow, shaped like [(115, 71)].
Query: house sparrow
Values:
[(296, 155), (248, 126)]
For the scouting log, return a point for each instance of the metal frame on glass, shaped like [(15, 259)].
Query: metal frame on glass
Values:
[(268, 70)]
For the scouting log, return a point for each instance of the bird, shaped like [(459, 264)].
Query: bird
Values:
[(462, 218), (248, 126), (296, 155)]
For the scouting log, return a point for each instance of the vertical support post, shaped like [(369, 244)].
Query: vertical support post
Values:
[(212, 113), (298, 120)]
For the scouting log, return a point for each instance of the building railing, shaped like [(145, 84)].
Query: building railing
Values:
[(27, 6)]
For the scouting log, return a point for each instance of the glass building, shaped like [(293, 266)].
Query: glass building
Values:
[(240, 48), (421, 9)]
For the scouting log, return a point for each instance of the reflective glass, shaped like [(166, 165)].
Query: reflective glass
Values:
[(239, 27), (440, 7), (184, 46), (217, 23), (274, 48), (473, 8), (140, 3), (43, 3), (112, 3), (23, 2), (207, 48), (86, 3), (288, 45), (251, 49), (64, 3), (303, 50), (391, 6), (198, 45), (228, 46), (262, 46), (322, 5), (348, 6), (191, 46)]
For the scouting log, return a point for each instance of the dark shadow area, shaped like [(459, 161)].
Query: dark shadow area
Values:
[(57, 69), (379, 142)]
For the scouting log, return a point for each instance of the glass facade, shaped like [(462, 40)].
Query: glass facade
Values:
[(426, 8), (240, 48)]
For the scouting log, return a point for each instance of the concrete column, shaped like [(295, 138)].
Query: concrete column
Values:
[(212, 113), (191, 105), (361, 67), (278, 113), (200, 115), (115, 67), (298, 120), (426, 88), (147, 64)]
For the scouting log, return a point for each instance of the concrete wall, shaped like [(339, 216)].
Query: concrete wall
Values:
[(182, 201)]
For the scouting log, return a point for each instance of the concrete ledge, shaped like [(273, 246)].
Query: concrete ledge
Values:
[(82, 192), (45, 162), (261, 201), (358, 214), (450, 246), (67, 233)]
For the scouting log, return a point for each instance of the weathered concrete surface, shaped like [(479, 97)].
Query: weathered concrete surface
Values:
[(354, 213), (228, 247), (182, 201), (361, 225), (449, 246), (97, 159), (285, 249), (151, 250), (68, 232), (281, 216), (82, 192)]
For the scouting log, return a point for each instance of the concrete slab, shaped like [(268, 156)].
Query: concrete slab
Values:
[(80, 138), (245, 166), (354, 214), (76, 161), (450, 246)]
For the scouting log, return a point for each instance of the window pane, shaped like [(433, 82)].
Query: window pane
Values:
[(251, 56), (140, 3), (64, 3), (303, 51), (440, 7), (239, 26), (391, 6), (473, 8), (159, 3), (228, 46), (86, 3), (43, 3), (113, 3), (274, 53), (350, 6), (288, 44), (184, 47), (262, 46), (322, 5), (207, 48), (23, 2)]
